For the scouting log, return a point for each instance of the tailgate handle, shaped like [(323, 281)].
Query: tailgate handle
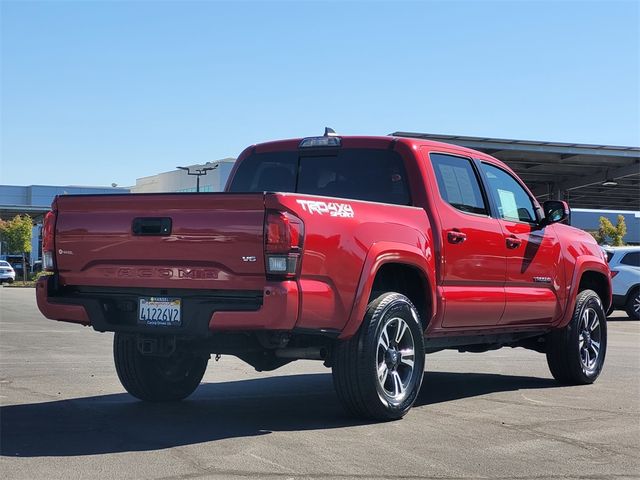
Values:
[(151, 226)]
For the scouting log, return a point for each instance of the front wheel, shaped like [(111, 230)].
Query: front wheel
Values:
[(156, 378), (378, 372), (575, 353)]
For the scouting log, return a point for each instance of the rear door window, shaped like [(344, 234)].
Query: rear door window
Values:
[(359, 174), (458, 183), (632, 259)]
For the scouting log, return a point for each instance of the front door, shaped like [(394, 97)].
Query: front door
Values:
[(473, 256), (532, 252)]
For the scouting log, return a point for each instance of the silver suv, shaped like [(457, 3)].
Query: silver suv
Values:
[(624, 263)]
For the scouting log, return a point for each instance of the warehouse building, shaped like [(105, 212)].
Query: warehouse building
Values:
[(214, 177)]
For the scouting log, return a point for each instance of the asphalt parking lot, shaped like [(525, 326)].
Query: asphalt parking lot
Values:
[(64, 415)]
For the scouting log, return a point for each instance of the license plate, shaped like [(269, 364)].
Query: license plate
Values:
[(159, 311)]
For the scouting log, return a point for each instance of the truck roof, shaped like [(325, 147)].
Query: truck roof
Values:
[(364, 141)]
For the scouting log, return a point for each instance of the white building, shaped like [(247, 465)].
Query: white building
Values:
[(179, 181)]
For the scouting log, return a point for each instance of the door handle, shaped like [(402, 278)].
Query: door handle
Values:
[(513, 242), (456, 236)]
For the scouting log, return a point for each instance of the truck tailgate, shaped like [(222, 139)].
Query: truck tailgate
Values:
[(215, 240)]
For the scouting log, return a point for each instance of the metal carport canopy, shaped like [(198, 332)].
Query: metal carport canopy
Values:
[(569, 171)]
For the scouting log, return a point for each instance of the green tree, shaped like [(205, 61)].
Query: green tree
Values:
[(607, 232), (16, 234)]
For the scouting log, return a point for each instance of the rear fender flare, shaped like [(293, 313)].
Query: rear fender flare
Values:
[(379, 254)]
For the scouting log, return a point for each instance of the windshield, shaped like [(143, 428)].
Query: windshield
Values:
[(360, 174)]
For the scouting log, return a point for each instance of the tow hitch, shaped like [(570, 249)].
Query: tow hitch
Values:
[(156, 346)]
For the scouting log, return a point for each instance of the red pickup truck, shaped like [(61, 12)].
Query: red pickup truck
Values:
[(363, 252)]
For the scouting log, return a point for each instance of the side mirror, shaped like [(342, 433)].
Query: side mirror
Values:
[(555, 211)]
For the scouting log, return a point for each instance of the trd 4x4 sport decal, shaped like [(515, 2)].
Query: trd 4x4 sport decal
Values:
[(333, 209)]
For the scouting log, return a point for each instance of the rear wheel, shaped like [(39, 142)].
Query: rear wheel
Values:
[(156, 378), (633, 305), (575, 354), (377, 373)]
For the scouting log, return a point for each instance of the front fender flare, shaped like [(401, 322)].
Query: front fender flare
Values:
[(585, 264)]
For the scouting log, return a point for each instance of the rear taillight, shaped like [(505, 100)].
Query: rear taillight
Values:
[(48, 248), (614, 273), (283, 237)]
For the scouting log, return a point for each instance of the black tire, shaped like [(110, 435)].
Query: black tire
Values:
[(156, 378), (357, 361), (570, 349), (632, 306)]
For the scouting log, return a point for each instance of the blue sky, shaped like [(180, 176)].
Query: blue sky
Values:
[(102, 92)]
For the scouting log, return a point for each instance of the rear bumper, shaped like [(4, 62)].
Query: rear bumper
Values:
[(203, 312), (54, 310)]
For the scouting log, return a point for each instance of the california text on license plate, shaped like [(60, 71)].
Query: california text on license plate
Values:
[(160, 311)]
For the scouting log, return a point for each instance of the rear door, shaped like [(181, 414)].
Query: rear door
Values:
[(473, 246), (532, 251)]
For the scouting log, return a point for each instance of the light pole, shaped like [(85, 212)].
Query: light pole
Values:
[(198, 172)]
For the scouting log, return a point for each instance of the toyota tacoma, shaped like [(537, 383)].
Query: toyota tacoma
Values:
[(365, 253)]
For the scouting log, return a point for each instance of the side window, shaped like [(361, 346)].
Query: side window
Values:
[(512, 200), (632, 259), (457, 183)]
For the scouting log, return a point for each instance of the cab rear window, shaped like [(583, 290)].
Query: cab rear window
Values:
[(360, 174), (266, 172)]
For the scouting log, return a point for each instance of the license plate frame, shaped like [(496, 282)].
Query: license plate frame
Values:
[(160, 311)]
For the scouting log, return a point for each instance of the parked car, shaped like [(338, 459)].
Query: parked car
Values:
[(624, 263), (362, 252), (16, 263), (7, 273)]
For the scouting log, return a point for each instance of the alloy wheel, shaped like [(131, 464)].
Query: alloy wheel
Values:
[(590, 339), (395, 359)]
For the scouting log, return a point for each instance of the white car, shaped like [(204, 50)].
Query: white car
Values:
[(624, 263), (7, 273)]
